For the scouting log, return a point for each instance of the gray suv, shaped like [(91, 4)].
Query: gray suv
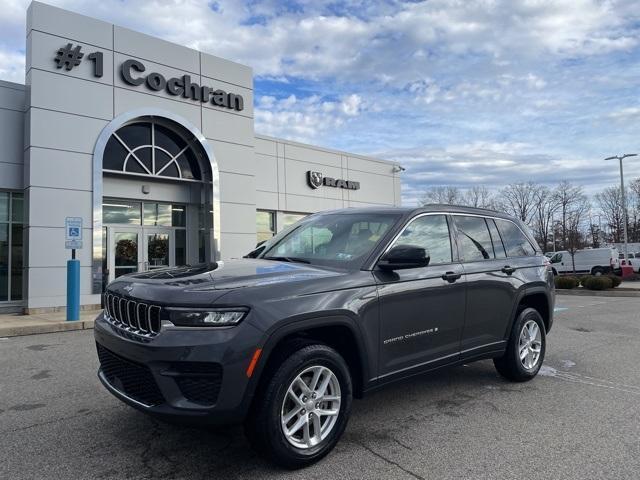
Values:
[(343, 303)]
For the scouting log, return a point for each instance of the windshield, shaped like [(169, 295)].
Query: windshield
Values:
[(341, 240)]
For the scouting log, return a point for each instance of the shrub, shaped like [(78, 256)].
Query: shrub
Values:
[(584, 278), (615, 280), (566, 283), (602, 282)]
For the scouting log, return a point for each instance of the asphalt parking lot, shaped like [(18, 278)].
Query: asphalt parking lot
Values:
[(580, 418)]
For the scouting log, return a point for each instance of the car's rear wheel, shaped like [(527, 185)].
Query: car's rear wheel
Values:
[(597, 271), (526, 348), (303, 407)]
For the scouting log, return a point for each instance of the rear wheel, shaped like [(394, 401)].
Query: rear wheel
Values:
[(526, 348), (597, 271), (303, 408)]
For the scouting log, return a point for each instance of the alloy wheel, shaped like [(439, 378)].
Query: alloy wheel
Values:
[(311, 407), (530, 345)]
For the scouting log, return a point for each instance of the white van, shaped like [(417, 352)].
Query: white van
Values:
[(595, 261)]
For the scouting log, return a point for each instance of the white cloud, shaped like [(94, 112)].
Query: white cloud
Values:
[(304, 119), (477, 90), (11, 66)]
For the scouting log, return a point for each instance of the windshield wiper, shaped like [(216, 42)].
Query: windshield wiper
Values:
[(288, 259)]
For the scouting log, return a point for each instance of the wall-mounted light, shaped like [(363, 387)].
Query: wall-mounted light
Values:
[(398, 169), (146, 189)]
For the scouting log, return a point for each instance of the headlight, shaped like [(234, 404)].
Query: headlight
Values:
[(209, 317)]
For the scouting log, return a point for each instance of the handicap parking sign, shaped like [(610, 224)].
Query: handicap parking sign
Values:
[(73, 232)]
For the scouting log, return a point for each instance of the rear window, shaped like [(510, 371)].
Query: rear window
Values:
[(515, 242), (474, 240)]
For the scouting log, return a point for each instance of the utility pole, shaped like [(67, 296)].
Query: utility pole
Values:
[(624, 201)]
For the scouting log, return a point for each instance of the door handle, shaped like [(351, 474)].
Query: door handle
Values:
[(451, 276), (508, 270)]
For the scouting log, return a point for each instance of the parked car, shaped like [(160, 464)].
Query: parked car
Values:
[(595, 261), (342, 304)]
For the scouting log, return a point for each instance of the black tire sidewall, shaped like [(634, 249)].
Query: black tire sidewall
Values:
[(312, 355)]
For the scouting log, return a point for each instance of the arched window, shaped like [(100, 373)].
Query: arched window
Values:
[(154, 148)]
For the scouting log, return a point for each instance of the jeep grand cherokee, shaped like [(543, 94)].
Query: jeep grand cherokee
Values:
[(342, 303)]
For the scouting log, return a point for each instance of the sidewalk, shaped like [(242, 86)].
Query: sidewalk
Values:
[(626, 289), (13, 325)]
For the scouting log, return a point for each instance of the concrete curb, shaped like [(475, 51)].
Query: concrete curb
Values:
[(48, 327), (599, 293)]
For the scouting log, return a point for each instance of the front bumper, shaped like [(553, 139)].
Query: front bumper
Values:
[(182, 373)]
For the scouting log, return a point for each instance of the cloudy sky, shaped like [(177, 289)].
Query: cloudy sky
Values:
[(459, 91)]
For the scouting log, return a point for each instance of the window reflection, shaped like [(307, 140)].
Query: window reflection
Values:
[(430, 232), (265, 225), (11, 245), (121, 212)]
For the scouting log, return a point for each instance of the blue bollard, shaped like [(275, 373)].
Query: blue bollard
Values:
[(73, 289)]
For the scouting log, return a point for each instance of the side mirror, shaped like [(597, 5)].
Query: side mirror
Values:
[(404, 256)]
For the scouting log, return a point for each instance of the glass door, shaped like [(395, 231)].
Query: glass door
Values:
[(159, 249), (124, 255)]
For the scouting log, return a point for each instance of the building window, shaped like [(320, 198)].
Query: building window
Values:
[(289, 219), (150, 148), (11, 246), (265, 225)]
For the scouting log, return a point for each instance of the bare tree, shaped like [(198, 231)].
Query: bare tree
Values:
[(568, 197), (448, 195), (479, 196), (574, 221), (518, 199), (546, 204), (610, 203), (633, 206)]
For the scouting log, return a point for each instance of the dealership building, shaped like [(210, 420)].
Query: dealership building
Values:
[(150, 147)]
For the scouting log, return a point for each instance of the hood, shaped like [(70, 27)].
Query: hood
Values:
[(225, 275)]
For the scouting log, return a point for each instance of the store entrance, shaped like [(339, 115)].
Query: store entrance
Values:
[(139, 249), (142, 236)]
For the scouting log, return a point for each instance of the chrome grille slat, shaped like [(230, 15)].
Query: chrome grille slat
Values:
[(133, 316)]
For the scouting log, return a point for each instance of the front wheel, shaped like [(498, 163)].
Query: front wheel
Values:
[(303, 408), (526, 348)]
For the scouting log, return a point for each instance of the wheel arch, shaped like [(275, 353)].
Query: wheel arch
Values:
[(538, 299), (337, 331)]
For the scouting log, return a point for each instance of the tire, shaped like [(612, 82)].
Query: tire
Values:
[(597, 271), (273, 402), (510, 364)]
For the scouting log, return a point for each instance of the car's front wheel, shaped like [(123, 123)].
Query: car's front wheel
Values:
[(526, 348), (303, 407)]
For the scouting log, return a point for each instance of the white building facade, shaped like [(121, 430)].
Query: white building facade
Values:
[(152, 145)]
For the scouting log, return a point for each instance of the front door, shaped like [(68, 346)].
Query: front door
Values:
[(137, 249), (158, 249), (125, 252), (422, 309)]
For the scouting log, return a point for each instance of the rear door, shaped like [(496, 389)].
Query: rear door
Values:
[(491, 285), (422, 309)]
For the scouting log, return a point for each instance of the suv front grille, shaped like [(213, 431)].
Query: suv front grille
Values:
[(132, 379), (134, 316)]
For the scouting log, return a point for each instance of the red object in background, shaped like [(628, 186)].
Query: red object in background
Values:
[(627, 271)]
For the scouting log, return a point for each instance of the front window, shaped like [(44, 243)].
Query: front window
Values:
[(289, 219), (430, 232), (342, 240)]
